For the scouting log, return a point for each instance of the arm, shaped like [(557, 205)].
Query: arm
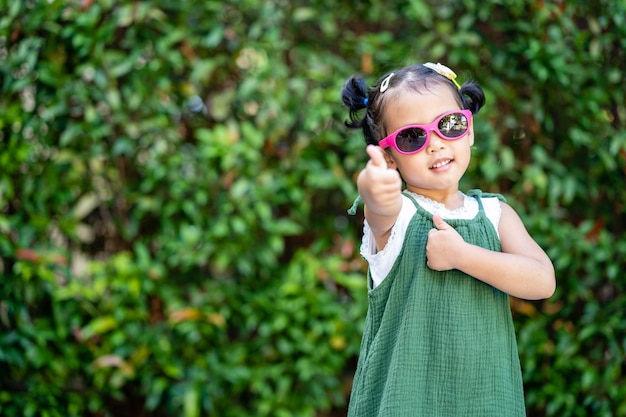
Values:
[(522, 269), (380, 188)]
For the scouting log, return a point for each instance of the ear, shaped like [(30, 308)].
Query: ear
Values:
[(470, 135), (391, 163)]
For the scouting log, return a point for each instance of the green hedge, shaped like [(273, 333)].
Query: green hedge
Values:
[(174, 179)]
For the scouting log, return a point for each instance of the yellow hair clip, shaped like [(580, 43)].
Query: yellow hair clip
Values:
[(443, 70)]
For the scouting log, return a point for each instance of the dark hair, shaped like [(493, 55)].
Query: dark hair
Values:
[(355, 96)]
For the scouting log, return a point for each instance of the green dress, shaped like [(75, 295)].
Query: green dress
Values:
[(438, 344)]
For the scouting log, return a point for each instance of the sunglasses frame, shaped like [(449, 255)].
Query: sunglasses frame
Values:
[(428, 128)]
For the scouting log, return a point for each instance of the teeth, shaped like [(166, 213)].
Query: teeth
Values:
[(440, 164)]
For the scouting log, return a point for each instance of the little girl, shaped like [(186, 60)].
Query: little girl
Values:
[(439, 337)]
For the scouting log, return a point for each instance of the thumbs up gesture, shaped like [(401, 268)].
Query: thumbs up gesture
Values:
[(379, 185), (443, 242)]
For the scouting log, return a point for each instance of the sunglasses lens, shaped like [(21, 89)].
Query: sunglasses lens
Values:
[(411, 139), (453, 125)]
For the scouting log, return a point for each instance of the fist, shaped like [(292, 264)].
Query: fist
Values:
[(443, 243), (379, 185)]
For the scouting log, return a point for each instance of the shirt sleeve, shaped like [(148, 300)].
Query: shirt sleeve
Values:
[(381, 262), (493, 211)]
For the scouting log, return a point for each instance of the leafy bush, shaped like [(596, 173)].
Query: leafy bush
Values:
[(174, 178)]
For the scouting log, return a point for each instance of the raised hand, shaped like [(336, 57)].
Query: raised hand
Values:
[(379, 185)]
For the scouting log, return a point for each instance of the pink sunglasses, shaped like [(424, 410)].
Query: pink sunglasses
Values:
[(413, 138)]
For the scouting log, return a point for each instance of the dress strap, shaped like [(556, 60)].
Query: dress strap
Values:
[(412, 199), (355, 205), (479, 195), (358, 201), (476, 193)]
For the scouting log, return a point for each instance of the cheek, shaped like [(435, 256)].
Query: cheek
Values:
[(414, 165)]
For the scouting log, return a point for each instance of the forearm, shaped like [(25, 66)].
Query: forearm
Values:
[(381, 222), (517, 275), (383, 202), (382, 206)]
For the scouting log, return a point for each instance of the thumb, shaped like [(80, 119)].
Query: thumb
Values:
[(440, 224), (376, 156)]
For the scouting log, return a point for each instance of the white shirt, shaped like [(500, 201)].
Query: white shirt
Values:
[(380, 263)]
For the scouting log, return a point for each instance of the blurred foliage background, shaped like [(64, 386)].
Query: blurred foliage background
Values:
[(174, 179)]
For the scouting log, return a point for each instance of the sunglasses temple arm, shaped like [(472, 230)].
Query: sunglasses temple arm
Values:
[(384, 143)]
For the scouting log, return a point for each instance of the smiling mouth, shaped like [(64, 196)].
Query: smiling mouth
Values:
[(441, 163)]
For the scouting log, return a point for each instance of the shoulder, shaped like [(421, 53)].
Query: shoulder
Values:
[(511, 224), (508, 212)]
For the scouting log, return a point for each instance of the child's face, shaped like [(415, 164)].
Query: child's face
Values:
[(442, 163)]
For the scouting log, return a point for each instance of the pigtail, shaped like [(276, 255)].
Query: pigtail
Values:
[(354, 97), (473, 96)]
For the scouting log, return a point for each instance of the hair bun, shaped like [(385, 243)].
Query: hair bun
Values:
[(473, 96), (354, 97)]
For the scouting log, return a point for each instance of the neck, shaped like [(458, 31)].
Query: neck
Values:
[(452, 199)]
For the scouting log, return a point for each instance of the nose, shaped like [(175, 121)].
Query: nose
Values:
[(435, 143)]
